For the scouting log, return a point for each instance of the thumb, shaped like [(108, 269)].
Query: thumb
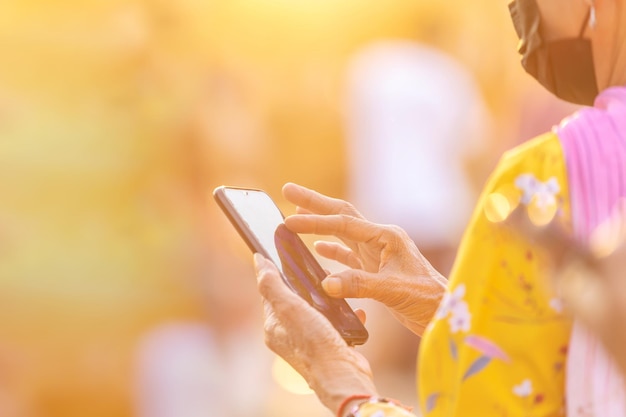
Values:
[(269, 281), (351, 283)]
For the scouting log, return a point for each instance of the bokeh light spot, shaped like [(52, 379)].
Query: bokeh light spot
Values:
[(497, 207), (605, 239), (288, 379), (541, 214)]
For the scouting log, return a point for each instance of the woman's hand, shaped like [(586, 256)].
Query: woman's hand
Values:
[(309, 343), (591, 280), (384, 263)]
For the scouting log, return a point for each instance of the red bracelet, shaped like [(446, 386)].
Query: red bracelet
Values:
[(351, 398)]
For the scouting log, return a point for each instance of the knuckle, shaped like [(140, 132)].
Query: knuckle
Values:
[(396, 231), (346, 221), (263, 284), (353, 221), (356, 285), (347, 208), (272, 334), (269, 330), (395, 235)]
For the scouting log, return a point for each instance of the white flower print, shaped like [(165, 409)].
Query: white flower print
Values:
[(524, 389), (543, 194), (450, 301), (454, 306), (460, 319)]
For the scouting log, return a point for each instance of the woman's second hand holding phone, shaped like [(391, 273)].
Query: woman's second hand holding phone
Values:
[(297, 332)]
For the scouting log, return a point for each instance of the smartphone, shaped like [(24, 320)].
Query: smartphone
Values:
[(260, 223)]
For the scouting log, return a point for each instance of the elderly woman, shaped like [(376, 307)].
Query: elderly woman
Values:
[(495, 338)]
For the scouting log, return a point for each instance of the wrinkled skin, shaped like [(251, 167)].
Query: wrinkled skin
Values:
[(383, 262), (307, 341)]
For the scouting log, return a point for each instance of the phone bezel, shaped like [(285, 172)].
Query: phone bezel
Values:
[(352, 336)]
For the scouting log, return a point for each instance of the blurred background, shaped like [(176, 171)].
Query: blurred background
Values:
[(123, 289)]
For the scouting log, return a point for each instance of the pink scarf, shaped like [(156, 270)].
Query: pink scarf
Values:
[(594, 144)]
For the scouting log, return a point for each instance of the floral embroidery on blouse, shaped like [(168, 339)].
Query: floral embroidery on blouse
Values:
[(533, 190), (456, 310)]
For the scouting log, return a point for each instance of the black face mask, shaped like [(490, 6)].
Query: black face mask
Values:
[(564, 67)]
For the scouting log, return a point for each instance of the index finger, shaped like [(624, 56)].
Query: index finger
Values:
[(342, 226), (315, 202)]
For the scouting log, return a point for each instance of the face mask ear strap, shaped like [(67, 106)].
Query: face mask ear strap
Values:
[(590, 19), (592, 16)]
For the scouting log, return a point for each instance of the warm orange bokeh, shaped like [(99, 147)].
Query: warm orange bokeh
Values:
[(118, 118)]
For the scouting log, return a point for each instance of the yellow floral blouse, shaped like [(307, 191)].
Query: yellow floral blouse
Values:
[(498, 342)]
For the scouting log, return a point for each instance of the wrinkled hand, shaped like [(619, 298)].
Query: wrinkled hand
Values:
[(309, 343), (384, 263), (591, 280)]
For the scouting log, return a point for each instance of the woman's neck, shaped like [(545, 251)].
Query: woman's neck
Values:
[(616, 72)]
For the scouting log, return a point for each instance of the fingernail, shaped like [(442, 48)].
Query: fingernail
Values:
[(259, 261), (332, 286)]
